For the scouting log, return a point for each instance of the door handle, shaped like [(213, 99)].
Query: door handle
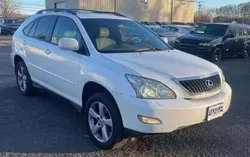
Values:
[(47, 51)]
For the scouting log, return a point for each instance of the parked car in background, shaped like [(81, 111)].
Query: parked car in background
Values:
[(162, 23), (193, 25), (215, 41), (163, 34), (150, 24), (11, 24), (177, 31), (125, 86), (200, 23), (5, 30), (178, 23)]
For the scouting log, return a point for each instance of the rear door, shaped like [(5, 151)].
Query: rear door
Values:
[(240, 41), (36, 44), (229, 43)]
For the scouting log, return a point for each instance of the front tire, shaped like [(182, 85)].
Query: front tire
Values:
[(103, 121), (23, 79), (216, 55)]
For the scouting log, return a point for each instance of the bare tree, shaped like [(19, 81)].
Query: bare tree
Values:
[(245, 10), (204, 14), (8, 7)]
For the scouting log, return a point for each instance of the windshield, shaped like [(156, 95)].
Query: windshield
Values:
[(211, 29), (119, 36)]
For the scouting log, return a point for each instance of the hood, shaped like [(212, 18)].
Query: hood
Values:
[(197, 38), (172, 63)]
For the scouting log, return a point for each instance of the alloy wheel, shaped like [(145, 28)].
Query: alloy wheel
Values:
[(100, 122), (217, 55), (246, 52), (22, 79)]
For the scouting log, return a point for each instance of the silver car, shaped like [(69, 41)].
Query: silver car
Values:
[(177, 31)]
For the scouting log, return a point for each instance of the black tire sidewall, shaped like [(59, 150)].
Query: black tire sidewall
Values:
[(213, 55), (107, 100), (246, 47), (29, 81)]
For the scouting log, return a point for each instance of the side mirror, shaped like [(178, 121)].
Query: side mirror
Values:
[(68, 44), (230, 35)]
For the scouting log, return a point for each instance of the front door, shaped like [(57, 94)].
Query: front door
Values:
[(63, 66)]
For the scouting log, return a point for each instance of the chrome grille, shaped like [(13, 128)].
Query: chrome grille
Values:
[(201, 85)]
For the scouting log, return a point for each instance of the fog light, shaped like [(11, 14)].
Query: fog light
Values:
[(149, 120)]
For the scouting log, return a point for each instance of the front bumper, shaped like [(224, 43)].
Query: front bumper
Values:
[(174, 114), (202, 52)]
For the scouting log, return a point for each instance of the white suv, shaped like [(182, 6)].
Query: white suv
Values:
[(121, 75)]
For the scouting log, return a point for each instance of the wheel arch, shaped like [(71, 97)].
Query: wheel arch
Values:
[(91, 88), (219, 46), (17, 59)]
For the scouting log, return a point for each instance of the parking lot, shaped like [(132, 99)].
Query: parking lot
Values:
[(47, 124)]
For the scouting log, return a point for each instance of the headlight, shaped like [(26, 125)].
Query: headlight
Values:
[(150, 89), (204, 44), (223, 80)]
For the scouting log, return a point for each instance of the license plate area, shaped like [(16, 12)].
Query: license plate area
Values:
[(214, 112)]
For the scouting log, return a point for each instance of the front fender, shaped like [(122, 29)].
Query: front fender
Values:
[(113, 81)]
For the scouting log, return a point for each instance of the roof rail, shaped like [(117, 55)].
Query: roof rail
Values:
[(101, 12), (56, 10), (73, 11)]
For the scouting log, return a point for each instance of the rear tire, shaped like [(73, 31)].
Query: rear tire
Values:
[(103, 121), (246, 52), (24, 82), (216, 55)]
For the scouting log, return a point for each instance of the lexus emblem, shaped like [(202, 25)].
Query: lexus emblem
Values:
[(209, 83)]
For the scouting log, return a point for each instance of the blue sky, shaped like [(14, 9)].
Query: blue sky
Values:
[(219, 3), (31, 6)]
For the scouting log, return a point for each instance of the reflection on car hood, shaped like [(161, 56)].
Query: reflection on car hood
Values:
[(197, 37), (172, 63)]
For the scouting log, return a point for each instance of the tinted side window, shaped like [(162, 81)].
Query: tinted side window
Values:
[(248, 30), (233, 30), (245, 31), (33, 29), (65, 28), (173, 29), (27, 29), (43, 27), (241, 31)]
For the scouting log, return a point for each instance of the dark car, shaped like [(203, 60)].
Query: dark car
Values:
[(215, 41), (9, 25), (5, 30)]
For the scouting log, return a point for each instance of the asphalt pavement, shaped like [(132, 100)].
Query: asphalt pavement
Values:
[(47, 125)]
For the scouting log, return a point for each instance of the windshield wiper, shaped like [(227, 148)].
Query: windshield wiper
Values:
[(148, 49)]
